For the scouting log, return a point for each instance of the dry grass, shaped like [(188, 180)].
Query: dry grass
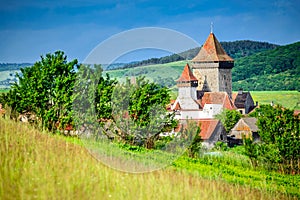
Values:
[(36, 165)]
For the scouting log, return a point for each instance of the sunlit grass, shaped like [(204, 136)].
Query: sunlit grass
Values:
[(35, 165), (288, 99)]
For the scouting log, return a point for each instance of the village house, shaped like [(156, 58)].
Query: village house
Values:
[(245, 127), (243, 101), (205, 89)]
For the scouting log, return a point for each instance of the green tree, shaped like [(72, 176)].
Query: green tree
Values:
[(45, 89), (279, 130), (190, 135), (229, 118), (139, 110)]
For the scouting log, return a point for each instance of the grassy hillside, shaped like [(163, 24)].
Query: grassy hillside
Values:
[(236, 49), (42, 166), (272, 70), (288, 99), (277, 69)]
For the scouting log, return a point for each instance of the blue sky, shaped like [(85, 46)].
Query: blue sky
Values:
[(32, 28)]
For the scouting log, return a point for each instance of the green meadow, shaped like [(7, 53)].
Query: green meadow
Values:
[(40, 165), (288, 99)]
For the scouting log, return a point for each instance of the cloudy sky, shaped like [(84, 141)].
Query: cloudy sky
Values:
[(32, 28)]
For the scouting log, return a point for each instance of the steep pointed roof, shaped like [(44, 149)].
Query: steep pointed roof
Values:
[(187, 74), (211, 51)]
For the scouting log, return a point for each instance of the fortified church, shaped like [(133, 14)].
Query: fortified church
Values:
[(205, 89)]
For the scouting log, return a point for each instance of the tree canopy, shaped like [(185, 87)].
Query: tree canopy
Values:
[(45, 90), (279, 148)]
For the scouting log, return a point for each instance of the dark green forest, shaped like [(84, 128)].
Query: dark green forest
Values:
[(277, 69)]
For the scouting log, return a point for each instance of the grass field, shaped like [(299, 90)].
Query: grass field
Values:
[(35, 165), (4, 90), (289, 99), (150, 71)]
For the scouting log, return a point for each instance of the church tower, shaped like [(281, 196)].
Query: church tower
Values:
[(212, 67), (187, 85)]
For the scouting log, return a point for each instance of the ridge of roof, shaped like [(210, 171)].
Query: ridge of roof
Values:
[(187, 74), (218, 98), (211, 51)]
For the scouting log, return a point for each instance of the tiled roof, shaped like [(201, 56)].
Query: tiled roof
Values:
[(187, 74), (218, 98), (251, 122), (240, 99), (211, 51), (207, 126), (177, 106)]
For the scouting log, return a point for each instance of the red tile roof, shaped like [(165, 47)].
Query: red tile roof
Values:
[(187, 74), (211, 51), (218, 98), (207, 126)]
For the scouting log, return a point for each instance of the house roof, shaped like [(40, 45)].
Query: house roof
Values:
[(251, 122), (239, 99), (218, 98), (177, 106), (208, 126), (212, 51), (187, 74)]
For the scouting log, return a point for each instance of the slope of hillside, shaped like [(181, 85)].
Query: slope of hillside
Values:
[(277, 69), (37, 165), (236, 49), (272, 70)]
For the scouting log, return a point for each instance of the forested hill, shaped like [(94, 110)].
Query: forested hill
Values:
[(236, 49), (277, 69)]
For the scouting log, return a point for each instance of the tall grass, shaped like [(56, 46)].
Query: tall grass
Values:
[(35, 165)]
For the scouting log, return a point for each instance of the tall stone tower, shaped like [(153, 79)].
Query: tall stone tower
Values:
[(212, 67), (187, 85)]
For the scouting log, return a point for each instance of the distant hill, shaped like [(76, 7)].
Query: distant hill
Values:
[(236, 49), (269, 70), (13, 66), (277, 69)]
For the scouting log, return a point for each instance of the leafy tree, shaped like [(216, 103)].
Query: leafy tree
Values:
[(92, 100), (191, 137), (279, 130), (229, 118), (45, 89), (139, 110)]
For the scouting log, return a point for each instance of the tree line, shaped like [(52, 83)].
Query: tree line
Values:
[(236, 49), (57, 93)]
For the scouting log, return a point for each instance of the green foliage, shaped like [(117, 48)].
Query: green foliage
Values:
[(45, 89), (277, 69), (229, 118), (139, 110), (191, 137), (221, 146), (103, 97), (279, 130)]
